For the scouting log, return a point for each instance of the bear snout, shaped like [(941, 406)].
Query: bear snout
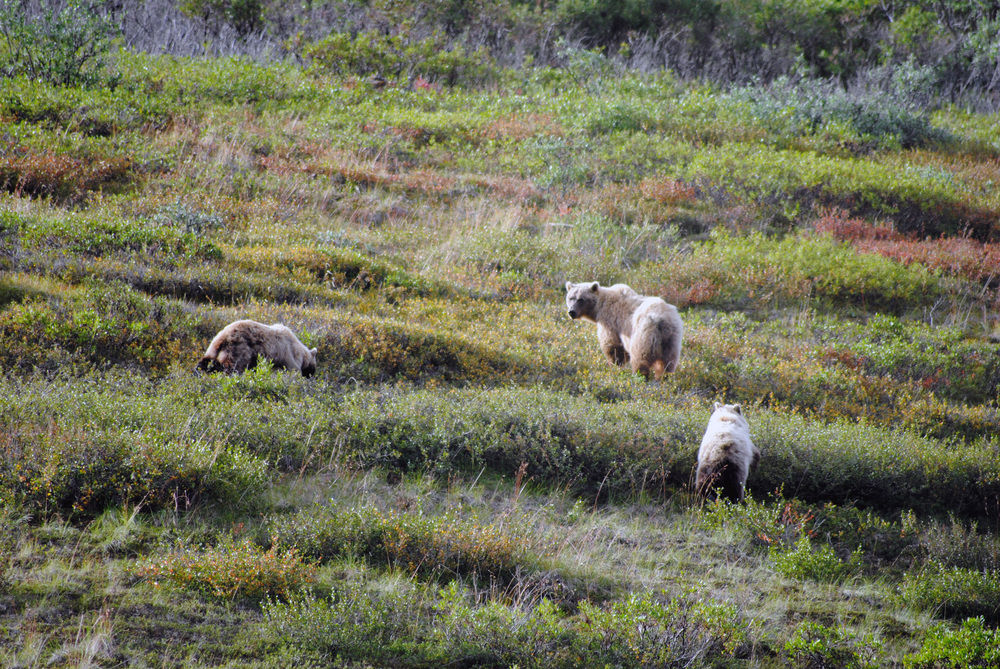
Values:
[(573, 314)]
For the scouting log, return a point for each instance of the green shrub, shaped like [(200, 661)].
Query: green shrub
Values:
[(68, 47), (816, 646), (838, 273), (758, 522), (83, 470), (100, 325), (953, 592), (642, 631), (496, 634), (971, 646), (399, 57), (356, 622), (430, 546), (230, 571), (820, 564), (337, 268), (94, 237), (958, 544), (244, 16), (878, 118)]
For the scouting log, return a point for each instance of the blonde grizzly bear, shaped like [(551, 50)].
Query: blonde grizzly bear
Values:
[(240, 344), (645, 332), (726, 456)]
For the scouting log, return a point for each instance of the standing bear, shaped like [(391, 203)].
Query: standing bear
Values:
[(726, 456), (240, 344), (632, 329)]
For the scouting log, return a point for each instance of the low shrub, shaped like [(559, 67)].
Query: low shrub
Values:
[(441, 546), (885, 544), (230, 571), (356, 622), (499, 634), (381, 349), (963, 545), (971, 646), (98, 325), (953, 592), (779, 525), (873, 467), (336, 268), (66, 44), (204, 282), (876, 118), (91, 237), (399, 58), (60, 176), (642, 631), (839, 274), (818, 564), (816, 646), (83, 470)]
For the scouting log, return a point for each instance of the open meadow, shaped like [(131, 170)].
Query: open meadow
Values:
[(466, 481)]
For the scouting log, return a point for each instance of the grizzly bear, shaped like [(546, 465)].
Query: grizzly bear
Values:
[(239, 345), (645, 332), (726, 456)]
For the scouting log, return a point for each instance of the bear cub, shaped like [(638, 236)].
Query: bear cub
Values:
[(239, 346), (632, 329), (726, 456)]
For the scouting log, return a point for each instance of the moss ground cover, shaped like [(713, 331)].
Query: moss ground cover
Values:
[(465, 480)]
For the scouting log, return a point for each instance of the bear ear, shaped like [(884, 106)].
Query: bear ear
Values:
[(594, 286), (569, 286), (718, 405), (738, 409)]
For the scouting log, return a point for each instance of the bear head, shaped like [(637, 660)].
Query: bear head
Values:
[(732, 413), (581, 299), (309, 366), (209, 365)]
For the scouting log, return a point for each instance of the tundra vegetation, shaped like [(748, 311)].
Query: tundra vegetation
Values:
[(465, 481)]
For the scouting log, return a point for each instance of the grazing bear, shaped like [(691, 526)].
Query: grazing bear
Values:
[(632, 329), (726, 456), (239, 345)]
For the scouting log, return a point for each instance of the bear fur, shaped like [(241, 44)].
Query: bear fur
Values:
[(634, 329), (239, 345), (726, 456)]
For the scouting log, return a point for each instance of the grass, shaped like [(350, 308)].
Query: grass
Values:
[(465, 480)]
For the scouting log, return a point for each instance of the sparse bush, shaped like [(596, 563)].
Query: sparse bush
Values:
[(436, 547), (61, 176), (230, 571), (778, 525), (495, 633), (957, 544), (355, 622), (399, 57), (642, 631), (953, 592), (82, 471), (107, 325), (245, 16)]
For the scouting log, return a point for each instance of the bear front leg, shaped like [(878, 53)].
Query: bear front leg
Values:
[(612, 346)]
